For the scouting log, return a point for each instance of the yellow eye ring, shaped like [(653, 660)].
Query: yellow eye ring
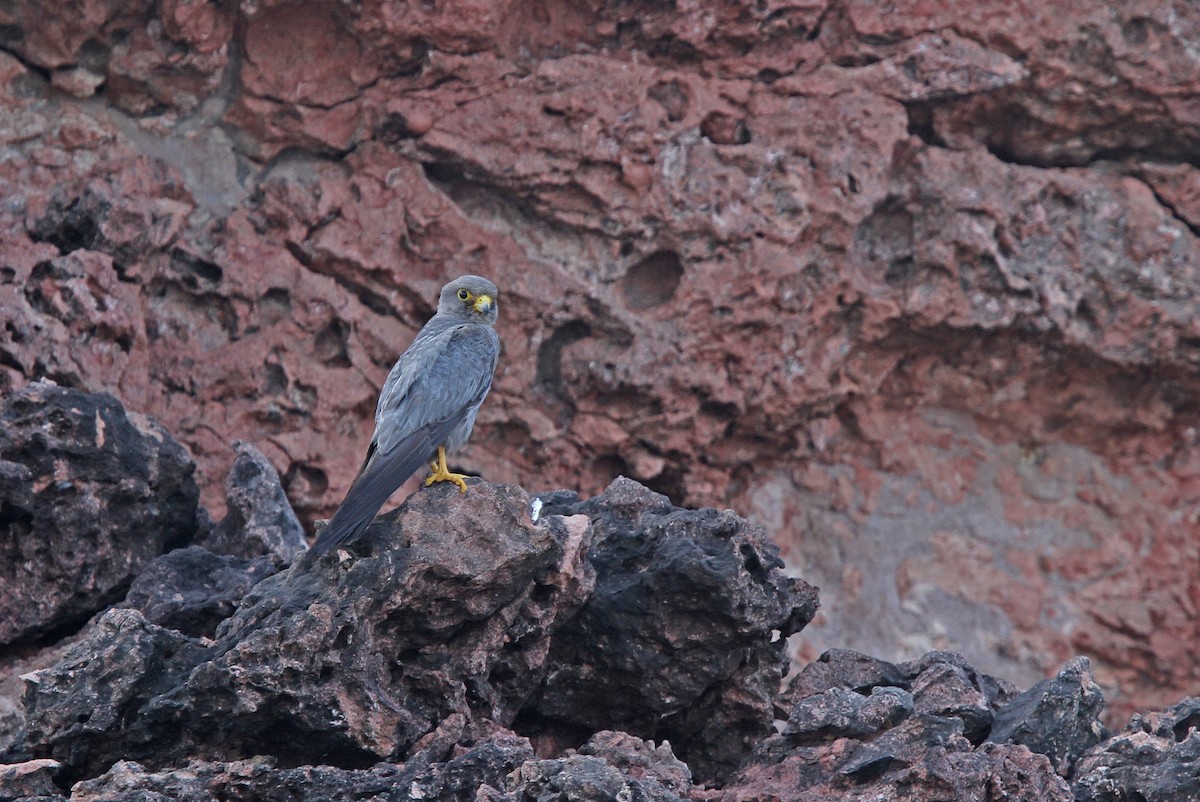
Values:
[(463, 295)]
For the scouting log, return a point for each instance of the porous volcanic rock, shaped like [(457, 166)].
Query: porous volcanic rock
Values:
[(494, 766), (193, 590), (860, 728), (504, 647), (430, 774), (611, 765), (925, 757), (87, 711), (442, 622), (846, 693), (1058, 717), (259, 520), (1156, 757), (683, 638), (190, 590), (913, 285), (89, 495)]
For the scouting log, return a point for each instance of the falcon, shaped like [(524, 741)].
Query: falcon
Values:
[(427, 406)]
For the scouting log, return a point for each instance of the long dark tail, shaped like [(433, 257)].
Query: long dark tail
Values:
[(379, 478)]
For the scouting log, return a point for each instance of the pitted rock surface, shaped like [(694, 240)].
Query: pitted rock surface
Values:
[(684, 636), (441, 623), (1154, 757), (911, 285), (89, 495), (483, 646), (259, 520)]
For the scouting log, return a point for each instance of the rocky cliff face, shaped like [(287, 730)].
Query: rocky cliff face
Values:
[(913, 285), (501, 647)]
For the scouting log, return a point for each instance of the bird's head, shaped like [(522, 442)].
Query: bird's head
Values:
[(471, 298)]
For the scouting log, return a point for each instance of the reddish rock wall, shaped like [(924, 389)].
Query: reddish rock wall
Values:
[(916, 288)]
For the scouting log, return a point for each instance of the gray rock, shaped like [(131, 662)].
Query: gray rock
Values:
[(843, 668), (995, 690), (485, 763), (610, 766), (87, 710), (941, 684), (89, 495), (923, 757), (902, 746), (641, 759), (861, 728), (395, 669), (839, 713), (1058, 717), (1155, 758), (193, 590), (444, 618), (944, 689), (684, 638), (260, 519)]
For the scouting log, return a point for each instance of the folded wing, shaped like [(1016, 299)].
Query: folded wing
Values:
[(452, 382)]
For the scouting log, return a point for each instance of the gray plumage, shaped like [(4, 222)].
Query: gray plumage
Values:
[(430, 399)]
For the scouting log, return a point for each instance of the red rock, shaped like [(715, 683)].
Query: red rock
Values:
[(150, 74), (869, 276), (78, 82), (204, 26), (71, 31), (302, 54)]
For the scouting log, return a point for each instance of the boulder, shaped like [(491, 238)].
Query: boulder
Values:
[(89, 495), (684, 638)]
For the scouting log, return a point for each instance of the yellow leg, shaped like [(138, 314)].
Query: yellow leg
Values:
[(442, 474)]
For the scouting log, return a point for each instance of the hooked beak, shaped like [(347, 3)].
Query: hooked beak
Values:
[(484, 304)]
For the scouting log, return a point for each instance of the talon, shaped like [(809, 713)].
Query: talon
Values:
[(442, 474)]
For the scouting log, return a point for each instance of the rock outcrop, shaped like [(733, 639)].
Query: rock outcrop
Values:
[(683, 638), (259, 520), (911, 285), (503, 647), (444, 622), (89, 496), (1155, 757)]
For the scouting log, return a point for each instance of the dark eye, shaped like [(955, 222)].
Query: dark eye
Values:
[(463, 295)]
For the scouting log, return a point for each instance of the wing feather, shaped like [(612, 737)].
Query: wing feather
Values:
[(454, 373)]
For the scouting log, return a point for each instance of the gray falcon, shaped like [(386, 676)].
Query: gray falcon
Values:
[(427, 406)]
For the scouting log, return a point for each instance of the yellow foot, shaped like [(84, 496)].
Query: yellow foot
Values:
[(442, 474)]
